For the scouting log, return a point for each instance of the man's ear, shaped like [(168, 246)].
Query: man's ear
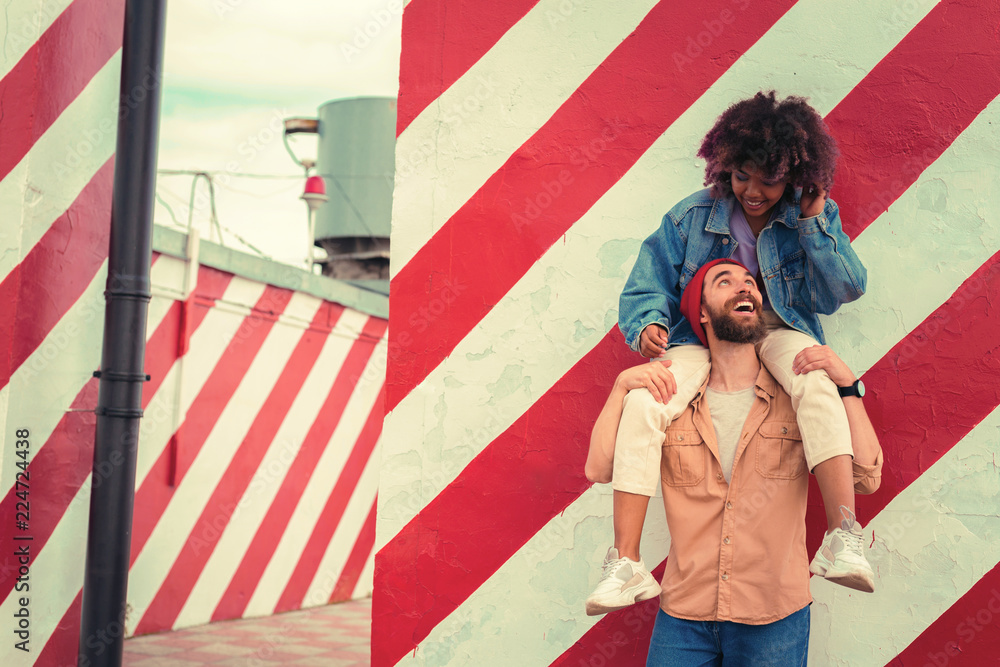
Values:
[(703, 315)]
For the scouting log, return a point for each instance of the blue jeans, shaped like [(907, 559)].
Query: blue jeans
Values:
[(680, 643)]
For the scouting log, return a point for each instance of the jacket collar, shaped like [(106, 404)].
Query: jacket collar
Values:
[(722, 211)]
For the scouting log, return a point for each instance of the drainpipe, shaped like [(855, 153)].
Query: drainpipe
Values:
[(119, 403)]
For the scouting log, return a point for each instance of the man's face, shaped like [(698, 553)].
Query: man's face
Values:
[(731, 305)]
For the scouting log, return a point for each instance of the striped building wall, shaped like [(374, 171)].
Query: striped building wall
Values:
[(258, 453), (539, 141)]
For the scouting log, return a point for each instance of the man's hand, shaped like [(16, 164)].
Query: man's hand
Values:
[(822, 357), (813, 200), (653, 340), (653, 376)]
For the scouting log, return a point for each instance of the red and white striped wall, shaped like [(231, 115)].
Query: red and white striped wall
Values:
[(539, 141), (258, 452)]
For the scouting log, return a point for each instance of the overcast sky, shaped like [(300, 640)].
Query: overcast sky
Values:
[(233, 69)]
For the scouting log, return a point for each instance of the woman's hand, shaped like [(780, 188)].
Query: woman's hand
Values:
[(653, 340), (813, 200), (654, 376), (821, 357)]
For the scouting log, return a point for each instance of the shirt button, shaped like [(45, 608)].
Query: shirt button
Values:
[(725, 540), (724, 576), (718, 475), (784, 430), (729, 506), (680, 437)]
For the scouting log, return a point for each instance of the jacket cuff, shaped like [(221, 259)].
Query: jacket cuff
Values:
[(813, 225)]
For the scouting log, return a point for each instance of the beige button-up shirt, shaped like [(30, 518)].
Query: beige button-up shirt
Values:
[(738, 550)]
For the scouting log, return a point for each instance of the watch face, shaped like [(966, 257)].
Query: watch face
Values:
[(861, 388)]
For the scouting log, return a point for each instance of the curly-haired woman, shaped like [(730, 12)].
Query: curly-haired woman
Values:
[(770, 164)]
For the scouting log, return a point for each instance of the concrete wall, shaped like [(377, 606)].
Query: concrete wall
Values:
[(257, 462), (538, 144)]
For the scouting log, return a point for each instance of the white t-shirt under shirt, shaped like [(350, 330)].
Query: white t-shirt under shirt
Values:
[(729, 410), (746, 247)]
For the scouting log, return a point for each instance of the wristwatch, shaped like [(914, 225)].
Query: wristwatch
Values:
[(856, 389)]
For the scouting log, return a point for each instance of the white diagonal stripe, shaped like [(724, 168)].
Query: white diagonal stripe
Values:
[(269, 476), (461, 139), (169, 538), (60, 164), (303, 520), (207, 344), (22, 23)]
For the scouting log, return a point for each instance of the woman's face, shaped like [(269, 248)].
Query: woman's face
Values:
[(757, 196)]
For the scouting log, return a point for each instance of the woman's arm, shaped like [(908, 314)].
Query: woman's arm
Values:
[(653, 376), (839, 273)]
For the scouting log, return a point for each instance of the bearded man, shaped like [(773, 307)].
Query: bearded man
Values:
[(734, 481)]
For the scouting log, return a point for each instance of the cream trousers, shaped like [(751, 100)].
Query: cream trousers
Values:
[(819, 409)]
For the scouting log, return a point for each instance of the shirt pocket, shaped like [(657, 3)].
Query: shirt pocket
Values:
[(793, 275), (779, 451), (683, 458)]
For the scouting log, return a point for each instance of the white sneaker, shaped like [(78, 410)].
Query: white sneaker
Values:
[(841, 557), (623, 583)]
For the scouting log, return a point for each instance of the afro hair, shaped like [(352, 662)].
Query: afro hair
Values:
[(783, 139)]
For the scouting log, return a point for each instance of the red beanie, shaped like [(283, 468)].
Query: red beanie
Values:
[(691, 299)]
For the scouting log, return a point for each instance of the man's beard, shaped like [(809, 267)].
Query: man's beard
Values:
[(731, 329)]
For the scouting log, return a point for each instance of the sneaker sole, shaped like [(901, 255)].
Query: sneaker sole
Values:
[(858, 581), (595, 608)]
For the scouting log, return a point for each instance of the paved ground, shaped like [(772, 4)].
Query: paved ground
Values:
[(338, 634)]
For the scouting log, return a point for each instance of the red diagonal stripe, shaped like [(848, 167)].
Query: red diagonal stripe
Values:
[(966, 634), (912, 106), (333, 511), (620, 638), (444, 38), (153, 496), (54, 71), (451, 283), (272, 527), (511, 483), (55, 272), (348, 580), (913, 400), (59, 467), (161, 348), (200, 544)]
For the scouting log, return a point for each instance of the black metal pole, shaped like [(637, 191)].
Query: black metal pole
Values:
[(119, 403)]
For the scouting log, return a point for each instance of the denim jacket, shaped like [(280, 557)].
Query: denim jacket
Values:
[(808, 266)]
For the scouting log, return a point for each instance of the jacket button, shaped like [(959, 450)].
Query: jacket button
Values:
[(784, 430), (725, 241)]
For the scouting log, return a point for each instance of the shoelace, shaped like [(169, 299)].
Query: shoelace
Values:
[(610, 567), (853, 541)]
